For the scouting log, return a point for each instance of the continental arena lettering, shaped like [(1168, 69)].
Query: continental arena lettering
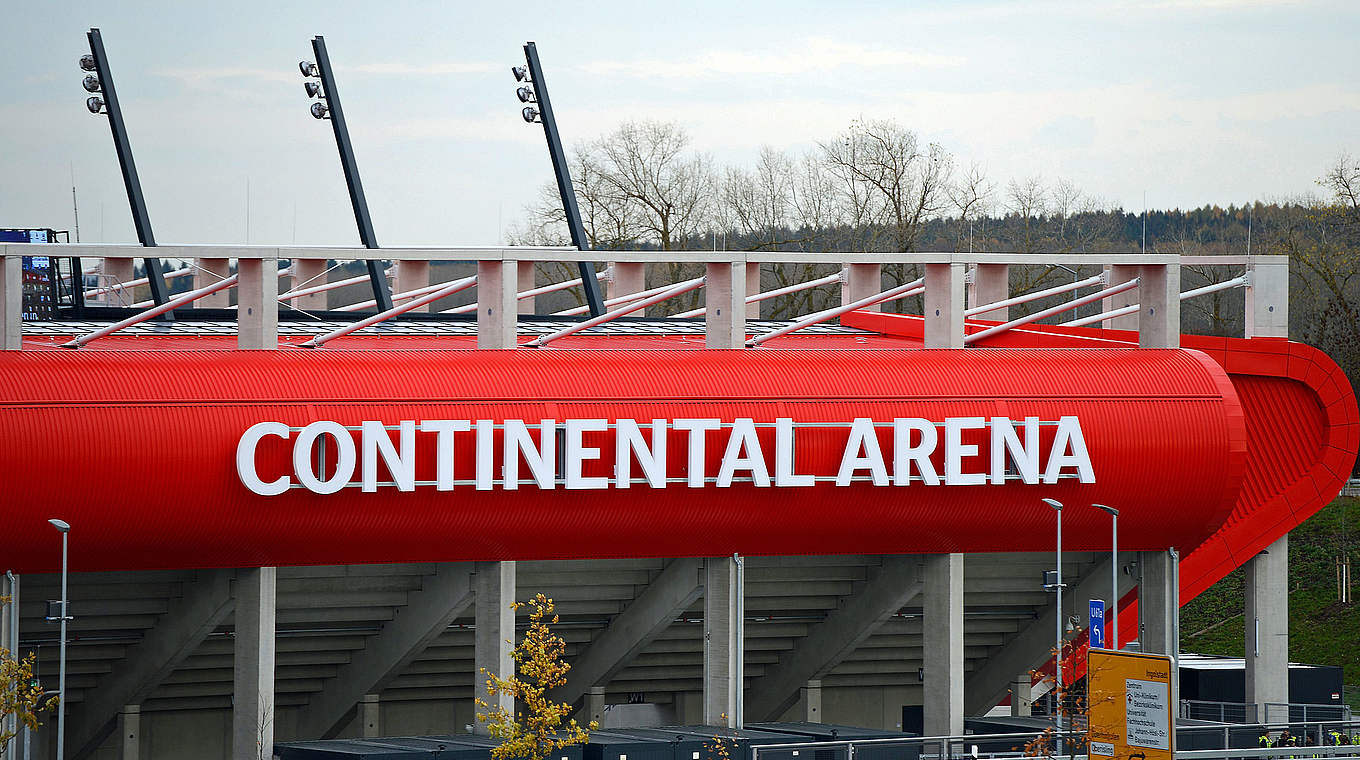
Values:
[(325, 454)]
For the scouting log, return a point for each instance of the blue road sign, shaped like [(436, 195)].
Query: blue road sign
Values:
[(1097, 624)]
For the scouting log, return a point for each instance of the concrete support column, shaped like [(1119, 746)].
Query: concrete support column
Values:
[(308, 273), (595, 705), (525, 280), (1267, 313), (943, 645), (213, 270), (944, 305), (1159, 319), (626, 278), (494, 587), (252, 713), (1115, 274), (410, 276), (1267, 629), (130, 732), (722, 669), (753, 289), (497, 309), (257, 304), (370, 716), (725, 300), (12, 302), (116, 271), (991, 283), (812, 701), (1022, 695), (1156, 611), (861, 281)]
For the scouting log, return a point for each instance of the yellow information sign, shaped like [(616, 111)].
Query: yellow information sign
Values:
[(1129, 705)]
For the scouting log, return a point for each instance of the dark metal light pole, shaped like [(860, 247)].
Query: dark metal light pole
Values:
[(564, 186), (382, 295), (99, 64)]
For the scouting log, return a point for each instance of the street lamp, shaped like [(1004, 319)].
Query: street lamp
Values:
[(1058, 624), (1113, 628), (65, 529)]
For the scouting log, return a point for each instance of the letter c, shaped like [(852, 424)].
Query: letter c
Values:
[(245, 458)]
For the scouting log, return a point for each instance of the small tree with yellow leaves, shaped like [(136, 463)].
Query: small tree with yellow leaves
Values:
[(537, 732), (20, 694)]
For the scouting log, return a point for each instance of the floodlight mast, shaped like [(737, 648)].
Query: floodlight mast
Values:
[(559, 160), (155, 275), (382, 295)]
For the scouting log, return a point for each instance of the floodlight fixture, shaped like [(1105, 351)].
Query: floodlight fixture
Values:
[(87, 63), (313, 88), (308, 69), (60, 525), (95, 104), (319, 110), (521, 73), (1053, 503), (530, 114), (526, 95), (91, 83)]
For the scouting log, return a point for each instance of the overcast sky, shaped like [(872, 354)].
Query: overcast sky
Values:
[(1188, 101)]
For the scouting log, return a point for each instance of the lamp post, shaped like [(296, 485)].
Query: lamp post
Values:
[(65, 529), (1113, 627), (1058, 625)]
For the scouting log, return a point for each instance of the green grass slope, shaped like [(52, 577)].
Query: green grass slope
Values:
[(1321, 630)]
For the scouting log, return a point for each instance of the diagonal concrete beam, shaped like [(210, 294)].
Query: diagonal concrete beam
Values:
[(205, 604), (1033, 645), (829, 642), (428, 612), (673, 591)]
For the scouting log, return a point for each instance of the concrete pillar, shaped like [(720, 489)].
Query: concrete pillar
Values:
[(1115, 274), (257, 304), (370, 716), (494, 586), (12, 302), (595, 705), (1267, 313), (991, 283), (725, 301), (861, 281), (1159, 319), (944, 305), (308, 273), (252, 714), (497, 309), (410, 276), (753, 289), (116, 271), (942, 626), (812, 701), (1022, 695), (213, 270), (525, 280), (1156, 612), (1267, 629), (722, 679), (130, 732), (627, 277)]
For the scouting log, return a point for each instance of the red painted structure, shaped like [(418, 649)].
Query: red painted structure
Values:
[(1217, 448)]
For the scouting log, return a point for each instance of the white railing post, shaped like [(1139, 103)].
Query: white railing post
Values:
[(1116, 273), (257, 302), (12, 300), (497, 306), (527, 273), (944, 305), (1267, 313), (213, 270), (991, 284), (309, 273), (861, 281), (725, 303), (627, 278), (1159, 318), (412, 275)]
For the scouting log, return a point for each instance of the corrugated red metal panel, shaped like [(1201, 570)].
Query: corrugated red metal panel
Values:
[(137, 450)]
